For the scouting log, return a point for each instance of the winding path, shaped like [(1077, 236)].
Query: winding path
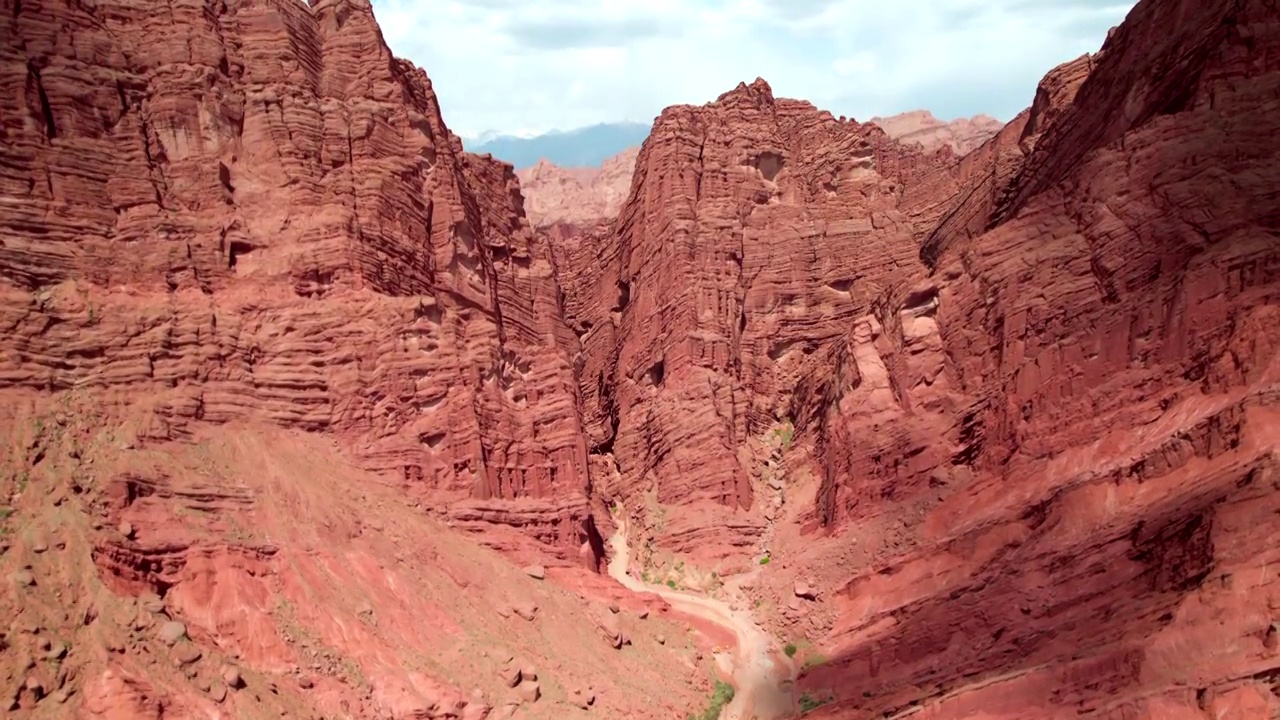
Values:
[(762, 677)]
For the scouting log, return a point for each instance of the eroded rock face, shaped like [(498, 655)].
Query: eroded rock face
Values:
[(252, 209), (577, 196), (1062, 448), (920, 127), (757, 231)]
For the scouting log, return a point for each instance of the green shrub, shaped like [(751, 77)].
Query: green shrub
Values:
[(808, 703), (790, 650), (722, 696)]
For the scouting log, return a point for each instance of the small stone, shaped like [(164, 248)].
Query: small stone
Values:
[(44, 643), (662, 640), (537, 572), (305, 683), (24, 578), (57, 652), (126, 529), (528, 672), (34, 686), (644, 614), (511, 676), (187, 653), (218, 692), (62, 696), (615, 608), (231, 677), (804, 590), (171, 632), (39, 546)]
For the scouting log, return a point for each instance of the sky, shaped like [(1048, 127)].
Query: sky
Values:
[(531, 66)]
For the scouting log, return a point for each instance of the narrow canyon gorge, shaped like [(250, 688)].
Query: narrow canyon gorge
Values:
[(305, 412)]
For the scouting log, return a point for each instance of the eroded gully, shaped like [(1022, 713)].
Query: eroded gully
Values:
[(762, 678)]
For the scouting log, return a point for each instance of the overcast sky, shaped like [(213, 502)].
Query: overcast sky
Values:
[(537, 65)]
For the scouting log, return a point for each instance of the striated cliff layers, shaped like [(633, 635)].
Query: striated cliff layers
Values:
[(757, 231), (251, 209), (1050, 476)]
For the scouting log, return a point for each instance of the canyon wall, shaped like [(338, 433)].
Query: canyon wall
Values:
[(758, 229), (258, 212), (1049, 478)]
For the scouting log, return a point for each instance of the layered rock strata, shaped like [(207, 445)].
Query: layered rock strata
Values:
[(253, 209)]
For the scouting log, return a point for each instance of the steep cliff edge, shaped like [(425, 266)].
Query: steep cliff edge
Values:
[(260, 213), (1049, 477), (275, 356), (757, 230)]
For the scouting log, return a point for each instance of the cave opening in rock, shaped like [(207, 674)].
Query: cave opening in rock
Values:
[(769, 164), (238, 248)]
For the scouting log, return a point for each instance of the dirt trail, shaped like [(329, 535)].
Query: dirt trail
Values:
[(762, 677)]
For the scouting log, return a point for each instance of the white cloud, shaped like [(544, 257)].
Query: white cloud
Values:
[(514, 64)]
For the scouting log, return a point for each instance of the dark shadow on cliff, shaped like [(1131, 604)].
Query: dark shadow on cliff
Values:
[(1080, 616)]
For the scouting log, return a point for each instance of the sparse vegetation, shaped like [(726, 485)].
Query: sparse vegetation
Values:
[(809, 703), (764, 560), (785, 433), (790, 649), (814, 659), (722, 696), (671, 584)]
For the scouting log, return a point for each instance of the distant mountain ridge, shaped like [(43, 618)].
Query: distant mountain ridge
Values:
[(582, 147)]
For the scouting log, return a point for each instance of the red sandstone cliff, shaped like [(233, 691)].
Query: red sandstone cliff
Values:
[(757, 230), (577, 196), (263, 215), (1049, 475), (231, 234), (920, 127)]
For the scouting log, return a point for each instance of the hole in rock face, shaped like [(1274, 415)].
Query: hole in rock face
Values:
[(224, 177), (656, 372), (841, 285), (624, 296), (238, 249), (920, 300), (769, 164)]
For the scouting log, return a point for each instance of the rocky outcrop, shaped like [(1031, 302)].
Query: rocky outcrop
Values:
[(757, 230), (258, 212), (920, 127), (577, 196), (1051, 469)]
